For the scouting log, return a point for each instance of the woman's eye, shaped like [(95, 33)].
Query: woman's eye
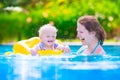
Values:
[(80, 31)]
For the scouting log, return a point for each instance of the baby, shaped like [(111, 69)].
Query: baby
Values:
[(47, 35)]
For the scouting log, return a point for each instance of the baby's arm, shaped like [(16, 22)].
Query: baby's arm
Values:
[(66, 49), (34, 50)]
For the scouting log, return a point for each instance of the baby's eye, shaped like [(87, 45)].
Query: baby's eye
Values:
[(53, 36), (48, 36)]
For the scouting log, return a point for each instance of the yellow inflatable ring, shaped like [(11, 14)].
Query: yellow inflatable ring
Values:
[(49, 52), (23, 47)]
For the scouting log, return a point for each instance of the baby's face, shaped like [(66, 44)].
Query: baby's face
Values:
[(48, 37)]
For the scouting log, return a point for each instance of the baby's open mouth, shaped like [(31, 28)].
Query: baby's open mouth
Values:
[(50, 41)]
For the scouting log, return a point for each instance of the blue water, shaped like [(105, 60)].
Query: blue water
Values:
[(66, 67), (5, 48), (110, 49)]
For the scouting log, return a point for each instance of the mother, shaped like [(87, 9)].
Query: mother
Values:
[(91, 34)]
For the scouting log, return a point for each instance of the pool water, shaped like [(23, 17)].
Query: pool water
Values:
[(110, 49), (66, 67)]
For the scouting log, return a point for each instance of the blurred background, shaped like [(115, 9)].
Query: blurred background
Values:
[(21, 19)]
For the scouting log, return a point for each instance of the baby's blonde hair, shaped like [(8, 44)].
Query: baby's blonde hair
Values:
[(45, 27)]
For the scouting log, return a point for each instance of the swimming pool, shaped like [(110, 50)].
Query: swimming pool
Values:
[(67, 67)]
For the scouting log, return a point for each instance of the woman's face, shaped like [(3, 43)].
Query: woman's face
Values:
[(84, 35)]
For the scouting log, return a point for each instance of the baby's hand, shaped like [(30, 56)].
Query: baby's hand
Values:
[(60, 47), (67, 49), (33, 52)]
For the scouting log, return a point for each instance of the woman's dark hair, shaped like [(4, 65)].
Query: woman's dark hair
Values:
[(92, 24)]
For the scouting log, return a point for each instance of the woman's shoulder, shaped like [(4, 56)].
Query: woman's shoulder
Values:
[(100, 50), (82, 49)]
